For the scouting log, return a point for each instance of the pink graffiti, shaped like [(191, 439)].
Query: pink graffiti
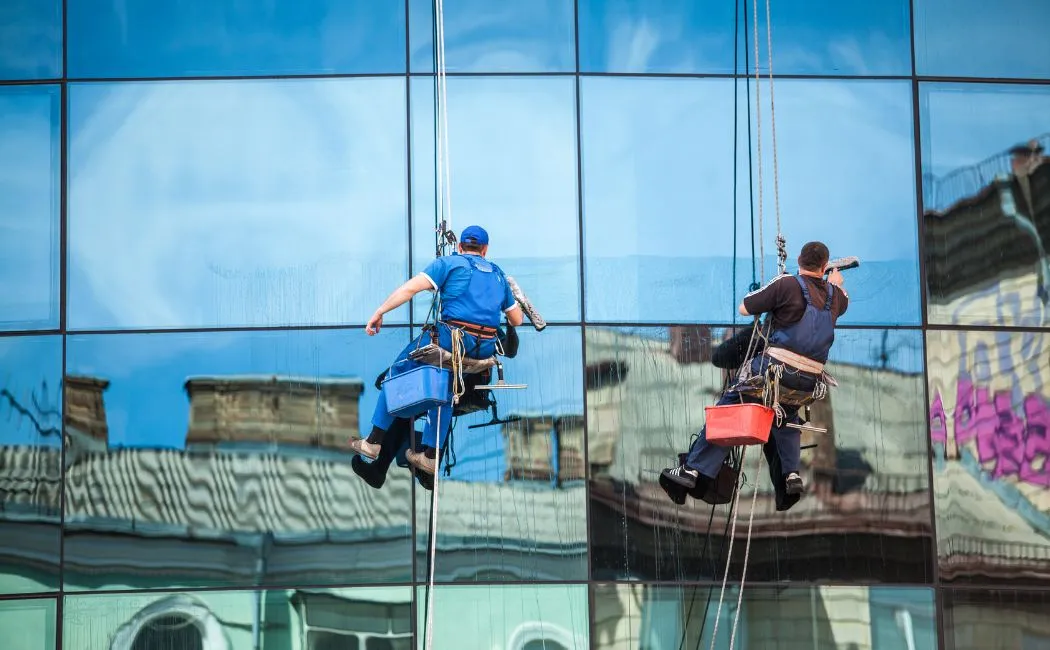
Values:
[(1014, 443)]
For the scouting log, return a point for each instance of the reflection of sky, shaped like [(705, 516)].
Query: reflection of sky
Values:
[(29, 206), (963, 124), (31, 369), (235, 203), (142, 38), (30, 39), (485, 36), (658, 194), (976, 38), (146, 401), (513, 171), (810, 37)]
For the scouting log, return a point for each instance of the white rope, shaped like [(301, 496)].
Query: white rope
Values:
[(782, 254), (729, 553), (747, 553), (444, 209)]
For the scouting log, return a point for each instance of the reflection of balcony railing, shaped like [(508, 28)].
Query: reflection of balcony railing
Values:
[(994, 552), (941, 192)]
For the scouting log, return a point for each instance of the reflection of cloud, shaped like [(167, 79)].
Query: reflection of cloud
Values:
[(846, 163), (31, 33), (481, 36), (255, 179), (512, 146), (29, 206)]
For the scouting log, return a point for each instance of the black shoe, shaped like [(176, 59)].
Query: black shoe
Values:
[(368, 472), (426, 481), (681, 475), (793, 483), (676, 492)]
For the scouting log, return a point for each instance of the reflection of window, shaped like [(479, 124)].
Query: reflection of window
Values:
[(543, 636), (334, 623), (168, 632), (541, 644), (179, 622)]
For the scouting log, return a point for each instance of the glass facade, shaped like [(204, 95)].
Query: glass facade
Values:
[(202, 203)]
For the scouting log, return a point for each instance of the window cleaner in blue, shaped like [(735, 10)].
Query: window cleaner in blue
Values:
[(474, 295), (397, 440), (804, 309)]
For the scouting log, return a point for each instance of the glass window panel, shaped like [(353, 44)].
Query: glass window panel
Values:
[(858, 198), (986, 201), (672, 36), (664, 616), (970, 38), (29, 206), (28, 623), (825, 37), (512, 150), (138, 38), (865, 515), (221, 619), (975, 619), (220, 458), (990, 428), (513, 507), (657, 198), (30, 39), (291, 213), (480, 36), (30, 463), (507, 616)]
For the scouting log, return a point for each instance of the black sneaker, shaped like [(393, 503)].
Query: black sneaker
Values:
[(793, 483), (681, 475), (367, 472)]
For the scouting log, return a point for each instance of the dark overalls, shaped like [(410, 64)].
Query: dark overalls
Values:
[(811, 337), (476, 311)]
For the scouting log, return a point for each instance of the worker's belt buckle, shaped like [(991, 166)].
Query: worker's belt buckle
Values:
[(477, 331)]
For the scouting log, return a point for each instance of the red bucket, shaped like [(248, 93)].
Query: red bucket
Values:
[(738, 424)]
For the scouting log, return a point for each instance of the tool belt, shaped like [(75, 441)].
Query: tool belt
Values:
[(798, 361), (477, 331)]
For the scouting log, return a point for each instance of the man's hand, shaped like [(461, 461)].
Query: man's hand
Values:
[(835, 278), (374, 324)]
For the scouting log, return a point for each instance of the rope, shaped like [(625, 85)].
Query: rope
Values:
[(747, 554), (443, 216), (758, 144), (729, 554)]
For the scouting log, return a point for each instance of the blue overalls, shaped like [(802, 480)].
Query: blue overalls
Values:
[(811, 337), (478, 309)]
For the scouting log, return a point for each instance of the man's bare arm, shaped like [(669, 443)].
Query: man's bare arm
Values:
[(400, 296)]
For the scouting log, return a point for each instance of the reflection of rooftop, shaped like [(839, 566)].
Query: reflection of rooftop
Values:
[(976, 241)]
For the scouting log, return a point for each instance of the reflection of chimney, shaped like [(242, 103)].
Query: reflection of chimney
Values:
[(85, 408), (531, 445), (691, 343), (308, 411)]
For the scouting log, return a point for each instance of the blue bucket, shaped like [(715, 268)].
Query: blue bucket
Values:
[(416, 391)]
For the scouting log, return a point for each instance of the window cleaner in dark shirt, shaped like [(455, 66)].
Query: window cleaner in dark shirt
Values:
[(804, 309), (474, 296)]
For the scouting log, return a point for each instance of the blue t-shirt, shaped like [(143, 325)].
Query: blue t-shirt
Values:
[(451, 274)]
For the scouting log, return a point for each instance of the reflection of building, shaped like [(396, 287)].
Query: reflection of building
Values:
[(294, 619), (628, 617), (989, 237), (867, 477), (265, 494)]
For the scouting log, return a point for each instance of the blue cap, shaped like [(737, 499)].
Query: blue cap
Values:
[(474, 235)]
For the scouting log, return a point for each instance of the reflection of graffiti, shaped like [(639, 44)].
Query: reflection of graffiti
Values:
[(1009, 430)]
